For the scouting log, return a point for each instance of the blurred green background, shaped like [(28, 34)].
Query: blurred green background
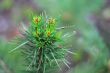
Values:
[(87, 32)]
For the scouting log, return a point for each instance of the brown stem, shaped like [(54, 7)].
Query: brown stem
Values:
[(40, 60)]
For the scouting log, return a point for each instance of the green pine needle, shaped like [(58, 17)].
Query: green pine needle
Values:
[(19, 46)]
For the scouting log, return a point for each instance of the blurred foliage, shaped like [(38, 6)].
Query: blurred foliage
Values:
[(10, 62), (6, 4)]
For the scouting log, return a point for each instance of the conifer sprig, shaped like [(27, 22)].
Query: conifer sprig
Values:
[(42, 46)]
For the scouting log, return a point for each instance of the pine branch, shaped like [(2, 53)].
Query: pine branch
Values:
[(42, 45)]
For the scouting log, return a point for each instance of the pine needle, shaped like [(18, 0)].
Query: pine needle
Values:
[(55, 60), (66, 64), (70, 52), (19, 46)]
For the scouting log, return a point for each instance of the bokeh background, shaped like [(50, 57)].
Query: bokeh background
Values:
[(87, 26)]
